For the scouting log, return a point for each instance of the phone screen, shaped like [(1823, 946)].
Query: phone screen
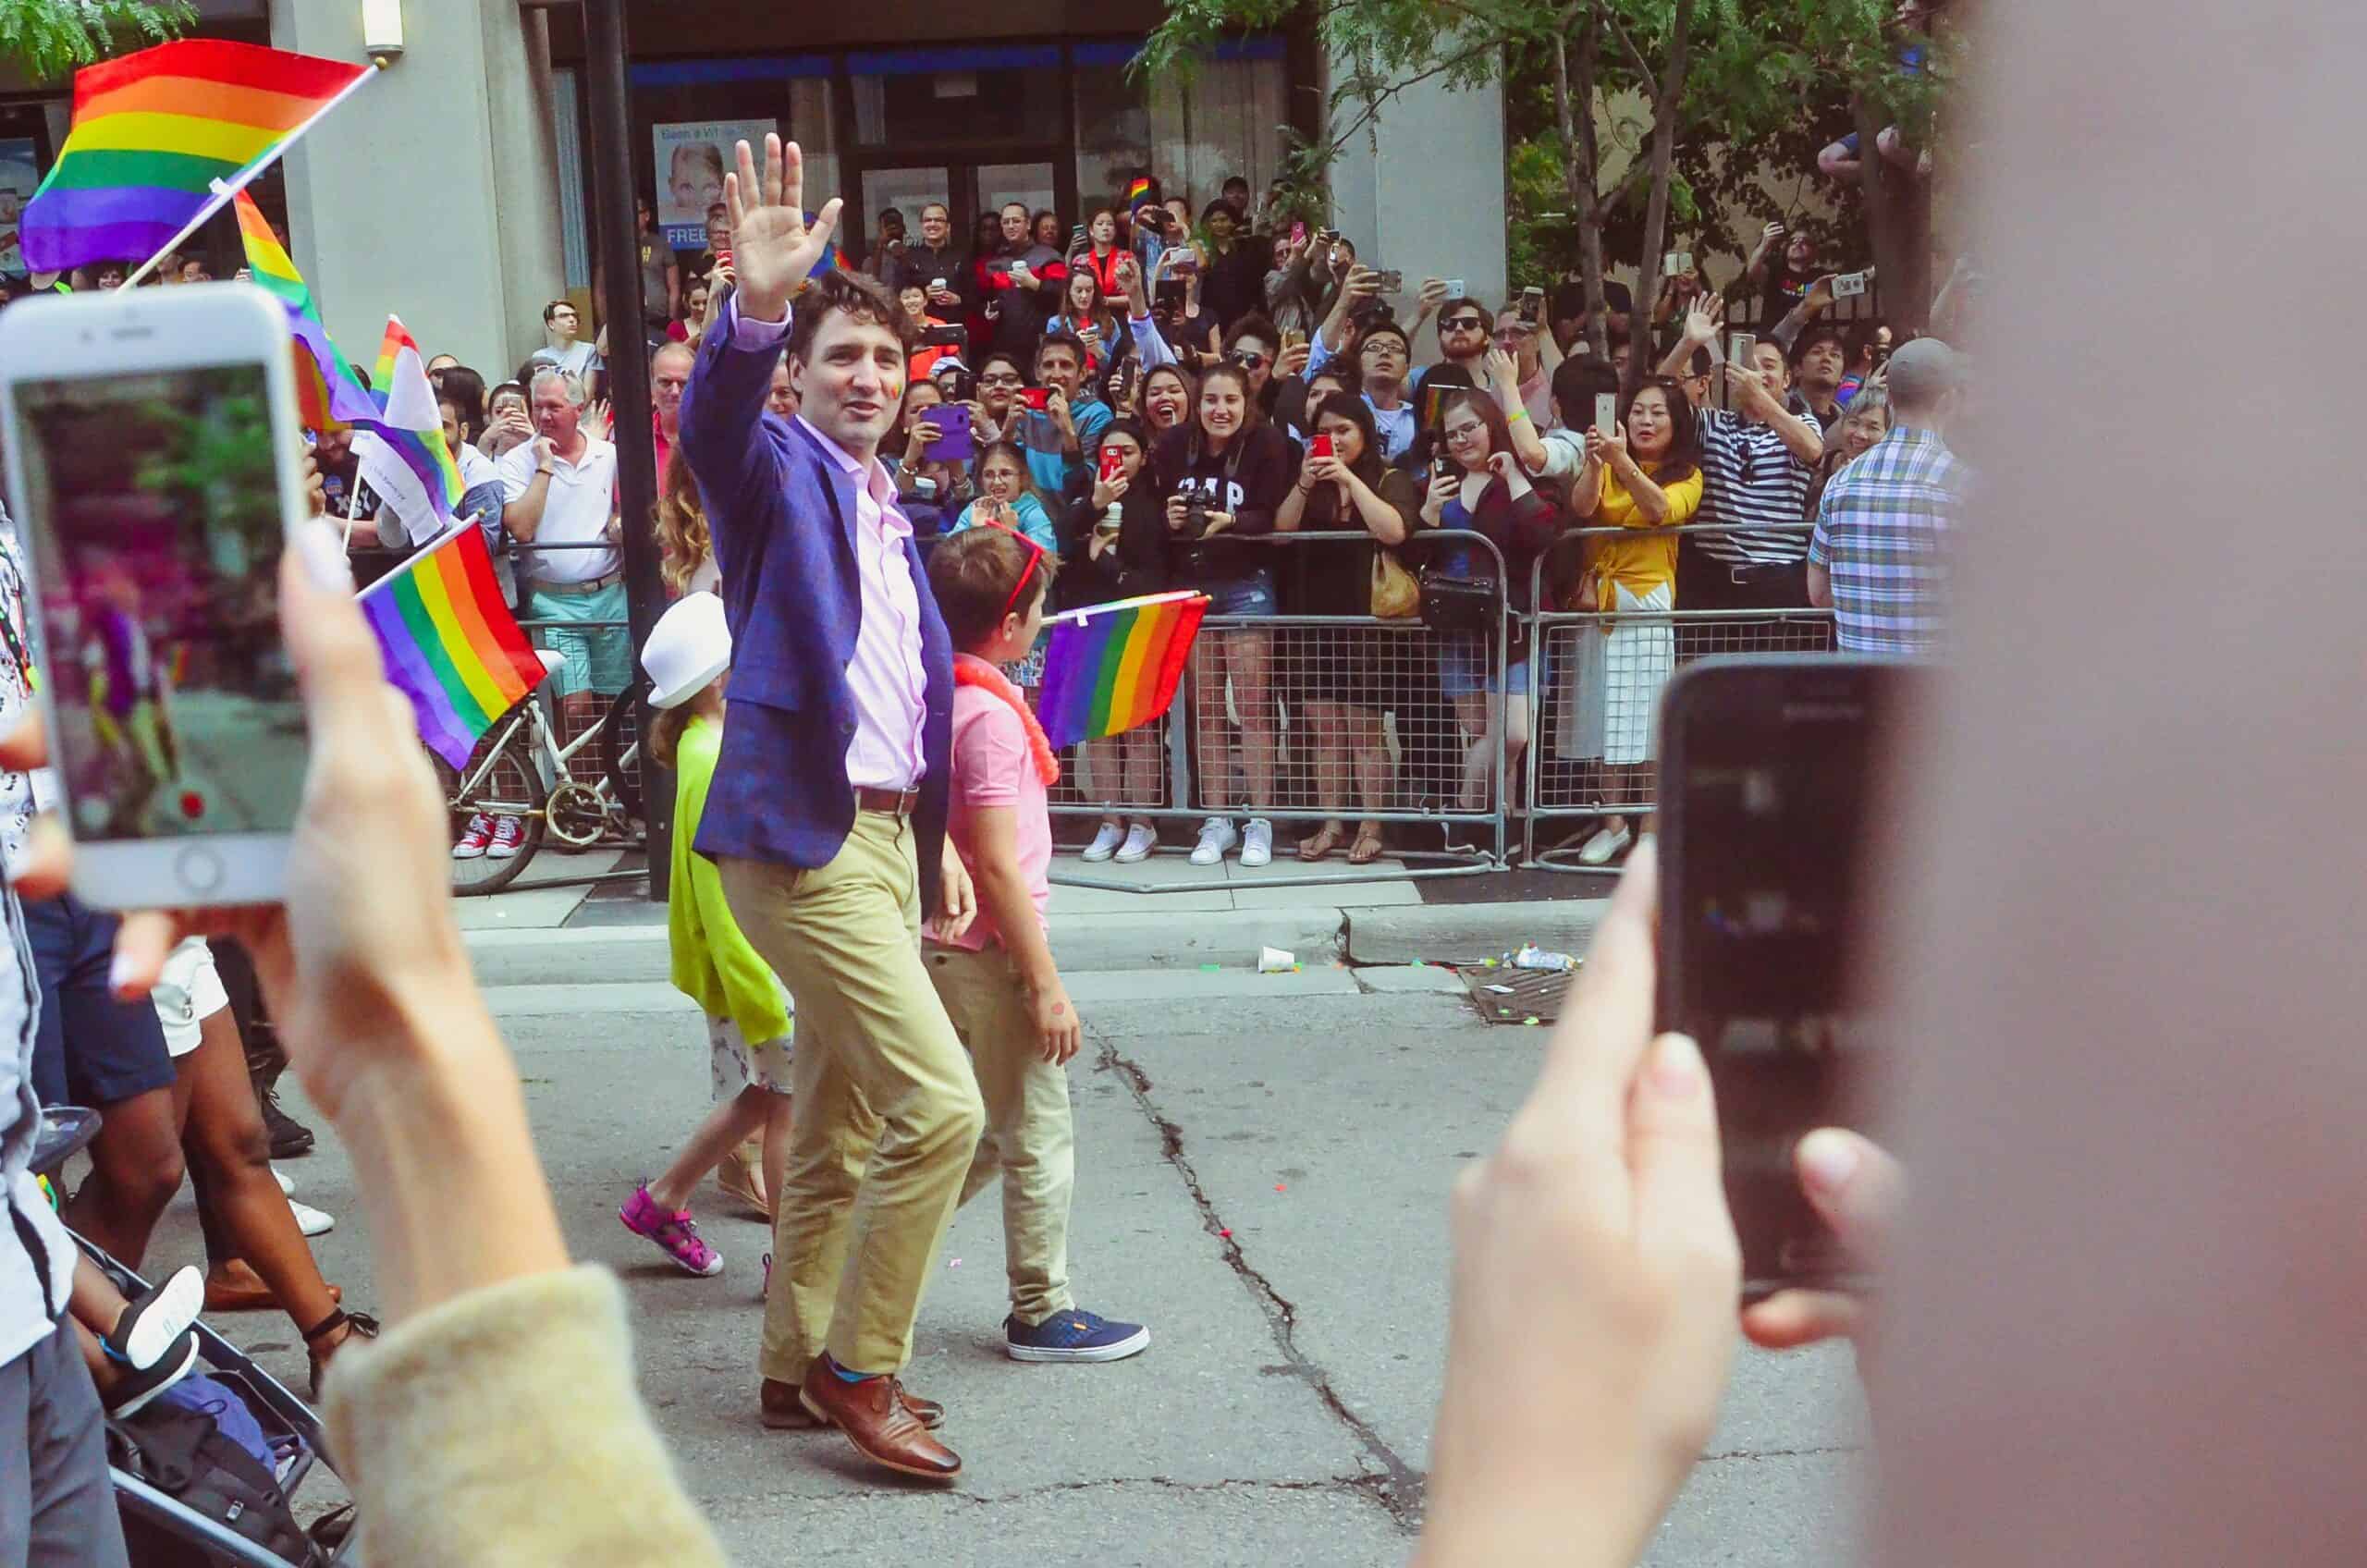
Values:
[(156, 532), (1769, 780)]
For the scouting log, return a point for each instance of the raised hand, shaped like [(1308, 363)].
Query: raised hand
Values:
[(1702, 319), (773, 248), (1502, 369)]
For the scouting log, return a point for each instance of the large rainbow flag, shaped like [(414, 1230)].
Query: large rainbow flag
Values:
[(449, 643), (1111, 667), (161, 136), (328, 395)]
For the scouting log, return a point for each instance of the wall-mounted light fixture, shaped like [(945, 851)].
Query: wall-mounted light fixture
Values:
[(382, 29)]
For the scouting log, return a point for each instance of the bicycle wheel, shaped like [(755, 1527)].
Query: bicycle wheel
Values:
[(509, 789), (620, 735)]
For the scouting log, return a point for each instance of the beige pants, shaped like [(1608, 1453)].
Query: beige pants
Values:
[(887, 1112), (1030, 1142)]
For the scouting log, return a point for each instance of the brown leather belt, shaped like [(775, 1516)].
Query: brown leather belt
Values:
[(888, 802)]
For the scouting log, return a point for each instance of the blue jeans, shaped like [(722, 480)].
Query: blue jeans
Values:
[(1253, 594)]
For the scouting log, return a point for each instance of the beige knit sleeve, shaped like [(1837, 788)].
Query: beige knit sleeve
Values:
[(504, 1427)]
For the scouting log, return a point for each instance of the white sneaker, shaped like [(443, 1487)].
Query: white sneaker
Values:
[(1598, 849), (1257, 842), (310, 1221), (1105, 843), (1140, 842), (286, 1183), (1217, 835)]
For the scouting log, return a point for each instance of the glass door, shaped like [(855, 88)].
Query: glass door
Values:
[(905, 189)]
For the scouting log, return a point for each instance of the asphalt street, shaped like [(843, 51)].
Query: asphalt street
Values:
[(1282, 1413)]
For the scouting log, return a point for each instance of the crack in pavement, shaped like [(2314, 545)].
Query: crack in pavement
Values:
[(1367, 1485), (1399, 1486)]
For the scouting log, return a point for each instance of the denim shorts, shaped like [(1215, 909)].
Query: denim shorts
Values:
[(1465, 668), (1253, 594)]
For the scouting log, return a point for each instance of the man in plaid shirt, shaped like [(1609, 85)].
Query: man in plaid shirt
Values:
[(1879, 555)]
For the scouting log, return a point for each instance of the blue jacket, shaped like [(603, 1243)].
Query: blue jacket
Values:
[(783, 516)]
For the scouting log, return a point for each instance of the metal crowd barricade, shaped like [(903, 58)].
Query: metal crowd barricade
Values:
[(1424, 742), (1596, 748)]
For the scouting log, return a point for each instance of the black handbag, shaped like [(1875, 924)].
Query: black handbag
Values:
[(181, 1452), (1460, 603)]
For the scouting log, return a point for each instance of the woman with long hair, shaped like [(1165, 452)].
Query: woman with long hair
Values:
[(1114, 546), (1223, 474), (1478, 485), (1086, 311), (1342, 685), (688, 560), (509, 421), (1646, 475), (1103, 252)]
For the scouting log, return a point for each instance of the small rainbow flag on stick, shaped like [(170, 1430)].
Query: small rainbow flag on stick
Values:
[(328, 395), (1113, 668), (162, 139), (449, 643)]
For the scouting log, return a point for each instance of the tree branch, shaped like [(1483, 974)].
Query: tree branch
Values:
[(1373, 99), (1634, 55)]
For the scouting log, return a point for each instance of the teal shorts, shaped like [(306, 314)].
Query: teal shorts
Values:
[(599, 658)]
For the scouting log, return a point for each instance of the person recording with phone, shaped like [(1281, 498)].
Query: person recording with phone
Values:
[(1223, 474), (1069, 423), (1086, 315), (1028, 278), (1383, 355), (1645, 474), (936, 267), (1345, 485), (1114, 546)]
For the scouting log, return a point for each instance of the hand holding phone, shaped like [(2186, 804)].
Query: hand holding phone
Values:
[(1320, 447), (1606, 414), (183, 756), (1532, 306), (954, 443)]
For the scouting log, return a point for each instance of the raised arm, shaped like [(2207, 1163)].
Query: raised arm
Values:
[(1756, 268), (1700, 331), (1803, 437), (1503, 379), (773, 252)]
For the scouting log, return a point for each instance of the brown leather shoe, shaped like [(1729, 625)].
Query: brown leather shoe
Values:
[(880, 1426), (235, 1287), (776, 1403)]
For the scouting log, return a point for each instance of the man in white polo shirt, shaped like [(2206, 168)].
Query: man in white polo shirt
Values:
[(561, 489)]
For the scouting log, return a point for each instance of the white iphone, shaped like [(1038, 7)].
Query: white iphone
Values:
[(1606, 414), (154, 470), (1848, 285)]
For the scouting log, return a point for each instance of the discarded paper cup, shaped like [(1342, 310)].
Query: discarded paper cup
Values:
[(1273, 960)]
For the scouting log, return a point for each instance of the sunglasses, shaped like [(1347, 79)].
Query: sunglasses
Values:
[(1464, 324), (1248, 360), (1027, 573)]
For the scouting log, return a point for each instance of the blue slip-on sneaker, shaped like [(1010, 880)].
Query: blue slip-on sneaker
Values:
[(1074, 1336)]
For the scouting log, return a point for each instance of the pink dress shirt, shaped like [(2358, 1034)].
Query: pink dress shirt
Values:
[(884, 680)]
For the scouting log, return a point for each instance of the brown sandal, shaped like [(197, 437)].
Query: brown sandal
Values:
[(1367, 848), (1324, 844)]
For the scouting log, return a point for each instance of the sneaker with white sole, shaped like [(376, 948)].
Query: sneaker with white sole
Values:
[(507, 834), (1217, 835), (1604, 846), (1140, 842), (286, 1183), (1105, 843), (311, 1222), (155, 1324), (1257, 842), (473, 841), (1074, 1336)]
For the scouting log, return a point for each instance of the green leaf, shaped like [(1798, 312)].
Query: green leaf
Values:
[(49, 38)]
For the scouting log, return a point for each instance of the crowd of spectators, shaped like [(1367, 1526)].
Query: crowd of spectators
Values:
[(1157, 393)]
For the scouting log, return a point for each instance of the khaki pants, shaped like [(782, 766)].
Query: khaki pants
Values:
[(1030, 1142), (888, 1113)]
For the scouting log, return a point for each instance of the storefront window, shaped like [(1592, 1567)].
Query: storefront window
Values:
[(956, 97), (1230, 122), (694, 111)]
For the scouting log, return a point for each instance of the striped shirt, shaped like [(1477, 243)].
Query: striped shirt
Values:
[(1752, 481), (1882, 534)]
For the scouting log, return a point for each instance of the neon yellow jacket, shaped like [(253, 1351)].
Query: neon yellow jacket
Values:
[(714, 966)]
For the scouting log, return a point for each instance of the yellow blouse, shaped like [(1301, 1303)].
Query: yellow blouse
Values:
[(1643, 564)]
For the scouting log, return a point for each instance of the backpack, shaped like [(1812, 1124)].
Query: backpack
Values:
[(184, 1454)]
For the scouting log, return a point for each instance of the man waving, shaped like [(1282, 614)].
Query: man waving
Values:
[(827, 813)]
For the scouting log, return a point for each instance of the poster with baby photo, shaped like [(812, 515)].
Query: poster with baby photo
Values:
[(19, 176), (690, 162)]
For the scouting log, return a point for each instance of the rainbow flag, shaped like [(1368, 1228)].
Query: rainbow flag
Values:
[(161, 136), (328, 395), (1113, 667), (402, 452), (1138, 192), (449, 643)]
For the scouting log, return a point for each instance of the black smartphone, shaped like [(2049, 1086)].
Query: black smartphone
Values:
[(964, 387), (1169, 293), (945, 337), (1772, 772)]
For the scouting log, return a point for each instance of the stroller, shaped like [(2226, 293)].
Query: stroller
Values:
[(163, 1531)]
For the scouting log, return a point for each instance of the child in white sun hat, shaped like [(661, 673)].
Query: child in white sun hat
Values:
[(747, 1009)]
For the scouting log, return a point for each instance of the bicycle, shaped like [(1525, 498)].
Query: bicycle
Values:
[(505, 779)]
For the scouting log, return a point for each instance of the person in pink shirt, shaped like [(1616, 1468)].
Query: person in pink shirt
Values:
[(996, 977)]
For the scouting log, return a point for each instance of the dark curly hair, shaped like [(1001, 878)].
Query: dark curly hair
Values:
[(858, 294)]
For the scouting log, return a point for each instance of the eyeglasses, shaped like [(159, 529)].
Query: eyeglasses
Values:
[(1005, 380)]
